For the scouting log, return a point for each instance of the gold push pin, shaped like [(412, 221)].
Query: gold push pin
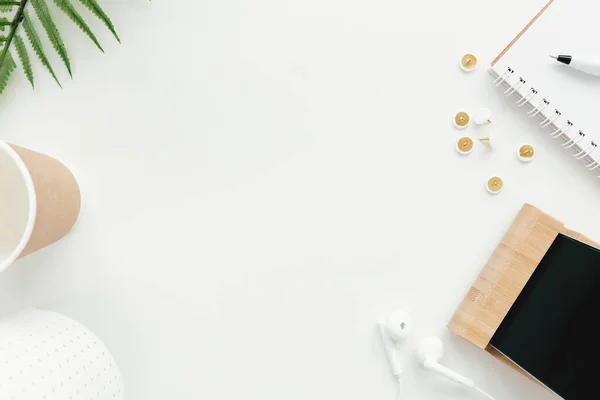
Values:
[(464, 145), (468, 62), (461, 120), (494, 185), (526, 153), (483, 116), (486, 140)]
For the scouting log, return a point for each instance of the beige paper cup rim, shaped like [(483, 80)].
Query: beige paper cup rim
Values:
[(32, 204)]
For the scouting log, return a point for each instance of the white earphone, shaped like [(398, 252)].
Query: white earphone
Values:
[(429, 353), (396, 328)]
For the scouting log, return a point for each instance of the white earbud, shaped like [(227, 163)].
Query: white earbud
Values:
[(431, 352), (396, 328)]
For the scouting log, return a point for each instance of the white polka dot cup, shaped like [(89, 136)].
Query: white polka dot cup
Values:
[(46, 356)]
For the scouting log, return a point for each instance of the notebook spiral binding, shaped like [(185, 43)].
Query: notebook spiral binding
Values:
[(581, 148)]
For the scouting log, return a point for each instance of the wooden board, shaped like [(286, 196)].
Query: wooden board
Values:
[(505, 275)]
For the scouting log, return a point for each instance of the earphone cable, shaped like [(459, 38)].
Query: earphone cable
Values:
[(488, 396), (399, 378)]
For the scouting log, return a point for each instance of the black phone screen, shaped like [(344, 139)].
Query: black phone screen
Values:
[(552, 329)]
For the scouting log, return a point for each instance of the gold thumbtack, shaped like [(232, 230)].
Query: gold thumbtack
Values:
[(526, 153), (494, 185), (487, 141), (464, 145), (468, 62), (482, 116), (461, 120)]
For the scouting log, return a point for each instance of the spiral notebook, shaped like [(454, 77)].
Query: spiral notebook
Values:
[(564, 102)]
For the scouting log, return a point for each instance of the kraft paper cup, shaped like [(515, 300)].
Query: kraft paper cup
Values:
[(39, 202)]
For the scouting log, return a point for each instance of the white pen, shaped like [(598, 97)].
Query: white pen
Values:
[(588, 66)]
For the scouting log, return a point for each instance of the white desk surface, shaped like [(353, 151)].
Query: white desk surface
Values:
[(265, 179)]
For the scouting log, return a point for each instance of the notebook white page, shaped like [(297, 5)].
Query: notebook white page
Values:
[(566, 27)]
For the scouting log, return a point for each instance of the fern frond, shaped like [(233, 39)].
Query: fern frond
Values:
[(14, 15), (36, 44), (24, 57), (7, 5), (7, 66), (4, 22), (71, 12), (41, 9), (95, 8)]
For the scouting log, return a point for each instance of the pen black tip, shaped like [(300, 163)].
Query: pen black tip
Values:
[(562, 59)]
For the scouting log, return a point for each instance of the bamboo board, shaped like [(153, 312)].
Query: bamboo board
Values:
[(505, 275)]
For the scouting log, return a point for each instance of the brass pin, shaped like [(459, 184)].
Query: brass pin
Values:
[(464, 145), (468, 62), (461, 120), (482, 116), (487, 141), (494, 185), (526, 153)]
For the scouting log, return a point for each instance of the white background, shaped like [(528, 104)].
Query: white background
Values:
[(264, 180)]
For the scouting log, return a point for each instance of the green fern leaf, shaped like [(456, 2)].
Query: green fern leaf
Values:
[(41, 9), (7, 5), (7, 66), (36, 44), (4, 22), (67, 8), (24, 57), (16, 11), (94, 7)]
